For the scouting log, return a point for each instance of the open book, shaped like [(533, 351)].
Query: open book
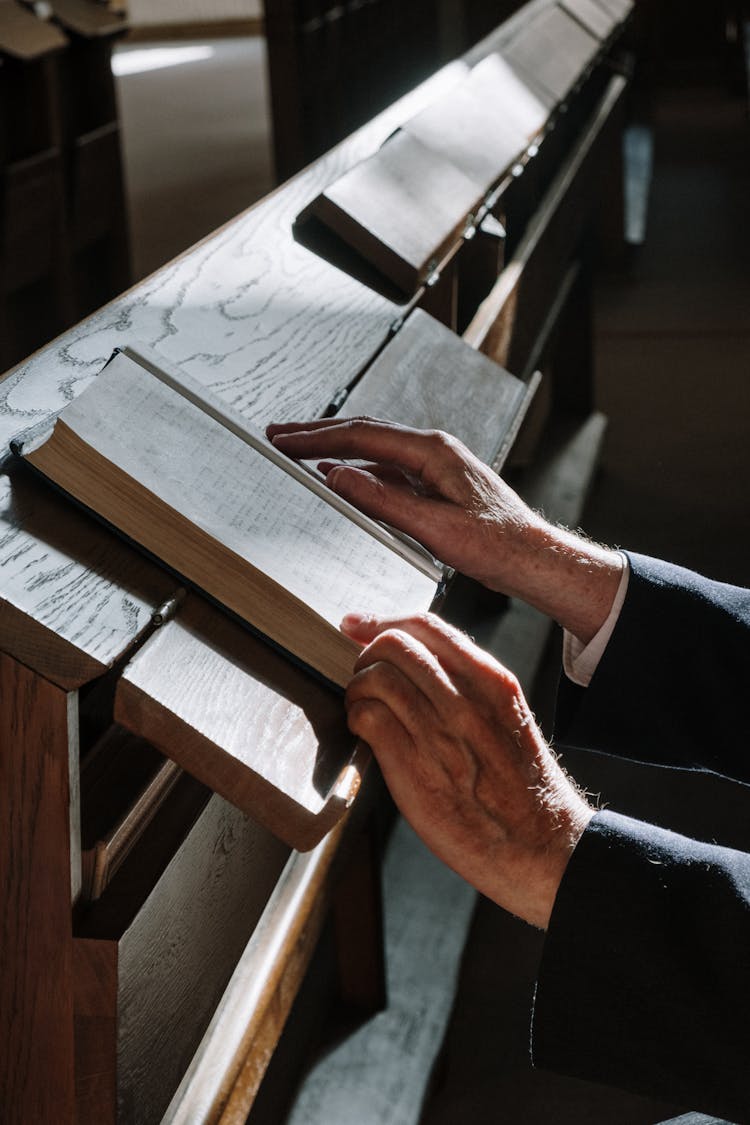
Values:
[(185, 477)]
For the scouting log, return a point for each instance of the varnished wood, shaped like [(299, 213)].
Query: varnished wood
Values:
[(287, 980), (440, 297), (87, 597), (95, 997), (592, 16), (23, 36), (36, 997), (90, 20), (553, 51), (165, 947), (358, 922), (229, 1065), (268, 344), (402, 208), (259, 317), (225, 1073), (244, 720), (237, 715), (481, 262), (332, 66), (124, 785), (277, 330), (287, 330), (429, 378), (507, 321)]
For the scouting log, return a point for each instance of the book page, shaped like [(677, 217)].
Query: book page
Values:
[(240, 498), (467, 128), (231, 419)]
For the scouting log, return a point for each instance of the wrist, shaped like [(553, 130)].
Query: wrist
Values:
[(561, 574), (569, 833)]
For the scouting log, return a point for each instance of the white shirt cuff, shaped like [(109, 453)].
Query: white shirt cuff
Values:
[(581, 661)]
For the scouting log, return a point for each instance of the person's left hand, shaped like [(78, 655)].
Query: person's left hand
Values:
[(464, 759)]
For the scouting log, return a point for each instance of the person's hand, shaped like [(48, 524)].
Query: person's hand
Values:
[(431, 486), (464, 759), (423, 482)]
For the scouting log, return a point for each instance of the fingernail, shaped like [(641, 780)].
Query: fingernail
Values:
[(352, 620)]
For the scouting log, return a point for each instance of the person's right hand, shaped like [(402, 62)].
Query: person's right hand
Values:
[(423, 482), (428, 484)]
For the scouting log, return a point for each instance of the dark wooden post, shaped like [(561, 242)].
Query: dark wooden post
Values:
[(36, 998)]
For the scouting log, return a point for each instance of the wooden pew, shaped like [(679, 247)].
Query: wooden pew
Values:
[(94, 634)]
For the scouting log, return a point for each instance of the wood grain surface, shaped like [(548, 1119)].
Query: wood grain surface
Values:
[(429, 378), (36, 997), (226, 1070), (245, 721), (237, 715), (263, 321), (73, 597), (402, 208), (167, 958), (95, 1001), (508, 320), (276, 330), (250, 312)]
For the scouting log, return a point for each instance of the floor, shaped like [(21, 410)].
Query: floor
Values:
[(673, 376), (196, 138), (673, 342), (673, 367)]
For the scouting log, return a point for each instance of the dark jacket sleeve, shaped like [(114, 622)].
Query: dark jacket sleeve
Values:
[(645, 975), (672, 686)]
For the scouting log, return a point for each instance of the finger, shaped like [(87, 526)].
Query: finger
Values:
[(416, 665), (431, 520), (390, 474), (384, 682), (375, 723), (361, 627), (420, 451), (456, 652), (276, 428)]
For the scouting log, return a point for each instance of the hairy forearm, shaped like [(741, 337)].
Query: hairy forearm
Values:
[(561, 574), (431, 486)]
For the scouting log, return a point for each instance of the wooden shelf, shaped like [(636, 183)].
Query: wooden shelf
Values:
[(199, 907)]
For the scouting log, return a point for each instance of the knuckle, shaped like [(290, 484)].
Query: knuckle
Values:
[(447, 444), (366, 684), (392, 642), (362, 718), (423, 620)]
